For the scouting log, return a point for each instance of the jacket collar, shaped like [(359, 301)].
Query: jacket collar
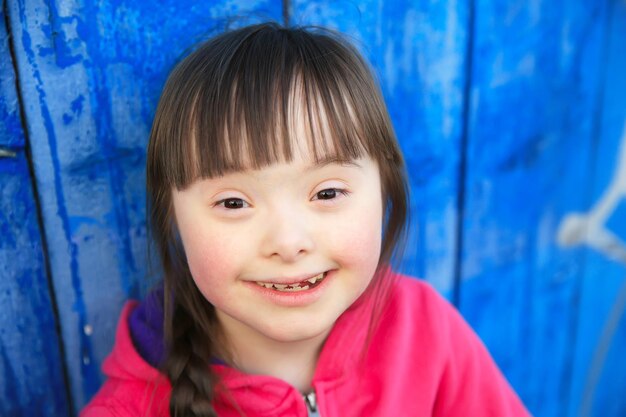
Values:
[(257, 394)]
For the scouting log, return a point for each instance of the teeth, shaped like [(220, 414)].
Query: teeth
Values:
[(295, 289), (316, 278), (289, 288)]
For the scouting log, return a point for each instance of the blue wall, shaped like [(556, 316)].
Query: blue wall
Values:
[(512, 118)]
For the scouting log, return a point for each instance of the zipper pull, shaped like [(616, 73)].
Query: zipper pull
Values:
[(310, 400)]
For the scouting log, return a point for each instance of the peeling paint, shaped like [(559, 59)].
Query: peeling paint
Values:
[(590, 228)]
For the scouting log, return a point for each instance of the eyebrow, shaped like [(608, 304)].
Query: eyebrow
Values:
[(332, 160)]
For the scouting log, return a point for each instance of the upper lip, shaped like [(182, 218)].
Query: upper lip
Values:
[(288, 280)]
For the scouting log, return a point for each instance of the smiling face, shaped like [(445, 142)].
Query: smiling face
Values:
[(253, 238), (233, 168)]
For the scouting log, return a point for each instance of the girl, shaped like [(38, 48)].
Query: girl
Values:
[(277, 199)]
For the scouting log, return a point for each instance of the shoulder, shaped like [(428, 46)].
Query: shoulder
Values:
[(415, 312), (410, 287), (416, 302), (418, 312), (434, 341), (106, 409), (120, 399), (407, 288), (132, 386), (424, 310)]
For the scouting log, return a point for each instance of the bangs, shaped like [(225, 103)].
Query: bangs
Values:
[(245, 102)]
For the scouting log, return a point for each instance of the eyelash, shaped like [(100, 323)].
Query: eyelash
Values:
[(223, 203), (341, 191), (233, 199)]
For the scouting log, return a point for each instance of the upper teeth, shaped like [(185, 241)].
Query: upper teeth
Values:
[(291, 287), (316, 278)]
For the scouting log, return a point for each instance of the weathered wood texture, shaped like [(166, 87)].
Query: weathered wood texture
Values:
[(511, 116), (31, 366), (598, 371), (417, 50), (91, 74), (537, 84)]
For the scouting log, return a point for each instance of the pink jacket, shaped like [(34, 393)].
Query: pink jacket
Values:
[(423, 360)]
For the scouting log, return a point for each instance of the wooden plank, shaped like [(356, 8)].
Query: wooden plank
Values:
[(535, 86), (31, 365), (91, 73), (11, 135), (417, 51), (599, 373)]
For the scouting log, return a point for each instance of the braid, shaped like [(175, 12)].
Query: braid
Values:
[(191, 335), (187, 367)]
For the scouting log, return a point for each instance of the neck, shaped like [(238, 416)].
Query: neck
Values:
[(253, 353)]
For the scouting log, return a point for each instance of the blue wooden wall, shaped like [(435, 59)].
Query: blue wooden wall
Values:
[(512, 118)]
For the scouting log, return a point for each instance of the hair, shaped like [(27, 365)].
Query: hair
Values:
[(231, 105)]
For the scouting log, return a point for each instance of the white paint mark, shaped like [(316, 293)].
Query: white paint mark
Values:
[(7, 153), (590, 228)]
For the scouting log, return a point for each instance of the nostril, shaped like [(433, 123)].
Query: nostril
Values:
[(287, 237), (289, 255)]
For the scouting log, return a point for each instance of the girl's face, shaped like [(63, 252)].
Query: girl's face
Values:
[(257, 243)]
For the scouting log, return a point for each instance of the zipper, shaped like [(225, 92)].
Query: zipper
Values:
[(310, 400)]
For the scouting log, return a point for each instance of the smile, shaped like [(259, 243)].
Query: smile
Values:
[(295, 287)]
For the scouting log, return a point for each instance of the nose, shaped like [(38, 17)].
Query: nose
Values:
[(287, 235)]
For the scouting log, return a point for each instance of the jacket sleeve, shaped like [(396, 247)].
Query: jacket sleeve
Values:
[(471, 383), (100, 409), (132, 388)]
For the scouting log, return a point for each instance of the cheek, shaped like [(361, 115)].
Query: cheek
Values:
[(358, 240), (208, 258)]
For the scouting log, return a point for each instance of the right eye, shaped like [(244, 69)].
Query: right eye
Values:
[(232, 203)]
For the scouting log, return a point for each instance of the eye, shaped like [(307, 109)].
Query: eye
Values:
[(330, 194), (232, 203)]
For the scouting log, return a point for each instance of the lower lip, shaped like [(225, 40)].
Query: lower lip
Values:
[(295, 299)]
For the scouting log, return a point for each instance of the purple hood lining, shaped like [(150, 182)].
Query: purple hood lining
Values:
[(146, 329)]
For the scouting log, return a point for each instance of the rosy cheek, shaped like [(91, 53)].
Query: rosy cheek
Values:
[(358, 241), (206, 257)]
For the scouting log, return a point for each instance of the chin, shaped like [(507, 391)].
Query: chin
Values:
[(296, 332)]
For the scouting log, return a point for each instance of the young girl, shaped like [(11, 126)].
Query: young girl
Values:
[(277, 200)]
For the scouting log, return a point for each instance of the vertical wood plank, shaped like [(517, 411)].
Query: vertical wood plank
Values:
[(31, 365), (91, 75), (11, 134), (417, 51), (535, 86), (599, 371)]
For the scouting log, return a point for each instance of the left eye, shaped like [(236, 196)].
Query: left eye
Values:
[(232, 203), (330, 193)]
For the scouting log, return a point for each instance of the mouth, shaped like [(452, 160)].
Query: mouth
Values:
[(304, 285)]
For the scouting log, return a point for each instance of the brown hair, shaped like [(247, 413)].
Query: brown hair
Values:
[(230, 105)]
